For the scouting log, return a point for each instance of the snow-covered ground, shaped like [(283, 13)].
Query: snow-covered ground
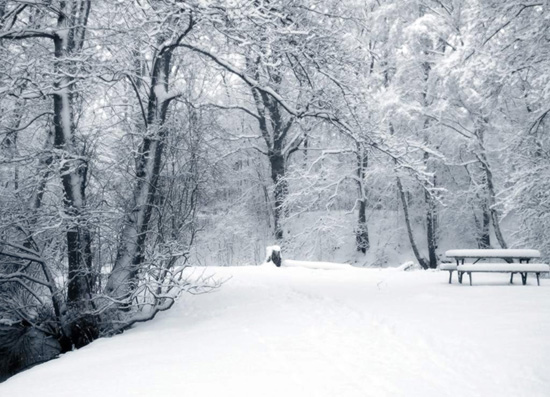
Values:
[(334, 331)]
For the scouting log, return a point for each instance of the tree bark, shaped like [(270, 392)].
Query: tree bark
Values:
[(405, 205), (483, 235), (73, 18), (362, 243), (492, 203), (9, 143), (274, 131), (278, 169), (431, 233), (490, 187), (67, 38), (130, 257), (73, 169), (484, 240)]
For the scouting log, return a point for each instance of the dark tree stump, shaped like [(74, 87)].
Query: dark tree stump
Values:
[(274, 255)]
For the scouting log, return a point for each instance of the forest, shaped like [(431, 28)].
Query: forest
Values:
[(139, 137)]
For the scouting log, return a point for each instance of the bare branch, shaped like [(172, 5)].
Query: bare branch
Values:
[(28, 34), (29, 123)]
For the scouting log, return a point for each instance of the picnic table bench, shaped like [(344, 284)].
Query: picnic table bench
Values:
[(523, 267)]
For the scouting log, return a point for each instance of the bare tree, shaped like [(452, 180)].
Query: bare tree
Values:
[(130, 255)]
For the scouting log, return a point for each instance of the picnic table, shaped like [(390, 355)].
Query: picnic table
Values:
[(524, 266)]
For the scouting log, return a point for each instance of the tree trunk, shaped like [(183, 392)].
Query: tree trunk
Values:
[(278, 169), (9, 143), (44, 172), (274, 131), (73, 173), (123, 278), (362, 243), (492, 202), (430, 230), (483, 236), (491, 194), (419, 258), (430, 223), (67, 39), (484, 240)]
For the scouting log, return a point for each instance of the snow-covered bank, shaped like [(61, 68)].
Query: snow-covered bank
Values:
[(295, 331)]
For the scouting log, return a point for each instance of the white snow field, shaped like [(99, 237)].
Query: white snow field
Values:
[(328, 331)]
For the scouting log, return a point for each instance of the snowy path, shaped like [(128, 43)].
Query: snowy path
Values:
[(309, 332)]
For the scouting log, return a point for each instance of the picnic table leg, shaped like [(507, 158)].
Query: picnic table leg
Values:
[(524, 278), (460, 277), (450, 276), (538, 279), (470, 277), (512, 278)]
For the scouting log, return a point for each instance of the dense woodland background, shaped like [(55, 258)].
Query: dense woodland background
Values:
[(140, 136)]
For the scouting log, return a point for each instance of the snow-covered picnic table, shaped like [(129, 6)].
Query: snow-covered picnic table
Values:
[(523, 267)]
